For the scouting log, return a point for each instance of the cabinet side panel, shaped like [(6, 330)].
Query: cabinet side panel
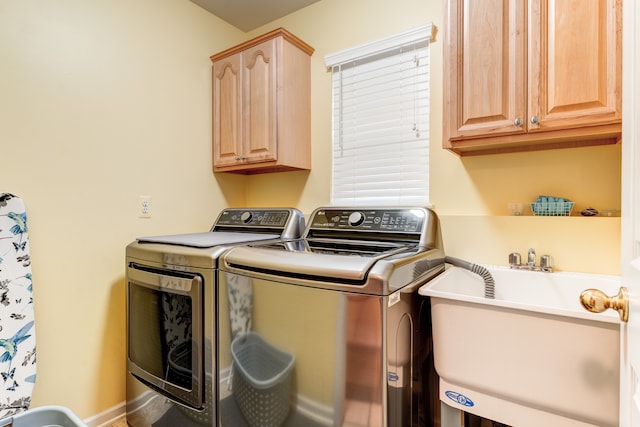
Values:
[(294, 108)]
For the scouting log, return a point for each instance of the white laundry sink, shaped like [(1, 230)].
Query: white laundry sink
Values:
[(530, 357)]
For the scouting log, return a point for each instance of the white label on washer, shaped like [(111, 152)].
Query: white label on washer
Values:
[(393, 299)]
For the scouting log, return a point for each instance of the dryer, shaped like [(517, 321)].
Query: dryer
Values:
[(172, 314)]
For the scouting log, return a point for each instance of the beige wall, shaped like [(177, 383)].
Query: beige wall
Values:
[(101, 102)]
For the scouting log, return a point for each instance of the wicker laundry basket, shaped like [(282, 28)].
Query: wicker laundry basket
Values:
[(179, 369), (261, 380), (180, 372)]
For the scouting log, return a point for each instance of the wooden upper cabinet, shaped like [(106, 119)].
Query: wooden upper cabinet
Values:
[(262, 105), (530, 75)]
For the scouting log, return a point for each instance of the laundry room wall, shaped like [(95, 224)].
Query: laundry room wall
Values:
[(100, 103), (471, 195)]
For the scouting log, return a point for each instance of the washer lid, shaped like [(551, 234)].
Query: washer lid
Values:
[(281, 259), (208, 239)]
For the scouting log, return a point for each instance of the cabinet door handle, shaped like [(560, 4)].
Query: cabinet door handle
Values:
[(535, 120), (517, 122)]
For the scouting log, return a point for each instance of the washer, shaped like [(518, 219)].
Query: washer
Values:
[(337, 315), (172, 303)]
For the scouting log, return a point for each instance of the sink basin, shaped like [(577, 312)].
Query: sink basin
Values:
[(532, 356)]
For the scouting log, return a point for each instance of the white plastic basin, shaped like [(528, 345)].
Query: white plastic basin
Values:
[(530, 357), (45, 416)]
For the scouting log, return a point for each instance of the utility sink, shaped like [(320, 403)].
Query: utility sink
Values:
[(530, 357)]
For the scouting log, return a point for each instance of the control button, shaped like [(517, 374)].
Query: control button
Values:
[(356, 218), (246, 217)]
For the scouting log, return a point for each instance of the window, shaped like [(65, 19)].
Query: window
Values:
[(380, 128)]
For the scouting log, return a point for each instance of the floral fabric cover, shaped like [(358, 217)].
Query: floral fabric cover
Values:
[(17, 332), (240, 294)]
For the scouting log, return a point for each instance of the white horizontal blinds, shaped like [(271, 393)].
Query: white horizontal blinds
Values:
[(381, 125)]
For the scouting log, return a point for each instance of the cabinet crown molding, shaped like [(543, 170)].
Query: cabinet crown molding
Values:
[(278, 32)]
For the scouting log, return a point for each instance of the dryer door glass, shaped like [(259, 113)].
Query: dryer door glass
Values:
[(165, 332)]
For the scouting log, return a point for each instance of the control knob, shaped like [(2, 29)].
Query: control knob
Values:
[(246, 217), (356, 218)]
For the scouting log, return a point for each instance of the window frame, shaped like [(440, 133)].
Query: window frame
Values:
[(338, 63)]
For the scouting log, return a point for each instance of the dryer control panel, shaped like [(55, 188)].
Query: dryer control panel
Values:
[(288, 223), (253, 217)]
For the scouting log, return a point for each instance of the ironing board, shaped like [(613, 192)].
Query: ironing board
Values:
[(17, 333)]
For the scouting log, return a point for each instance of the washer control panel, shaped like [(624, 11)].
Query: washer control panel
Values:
[(253, 218), (366, 219)]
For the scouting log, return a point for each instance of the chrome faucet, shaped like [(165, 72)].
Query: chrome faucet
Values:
[(546, 262), (531, 258)]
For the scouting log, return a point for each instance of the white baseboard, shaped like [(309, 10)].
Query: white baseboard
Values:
[(108, 416), (320, 413)]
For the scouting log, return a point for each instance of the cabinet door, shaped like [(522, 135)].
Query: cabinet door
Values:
[(227, 114), (485, 52), (260, 102), (574, 63)]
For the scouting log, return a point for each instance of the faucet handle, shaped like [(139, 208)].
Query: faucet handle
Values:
[(514, 258), (546, 262)]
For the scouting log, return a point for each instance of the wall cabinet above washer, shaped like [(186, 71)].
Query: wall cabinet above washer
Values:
[(262, 105), (530, 75)]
